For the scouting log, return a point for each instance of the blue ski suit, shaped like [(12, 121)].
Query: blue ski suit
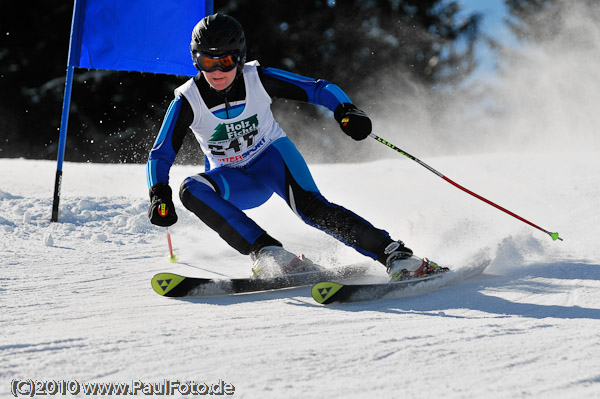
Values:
[(248, 158)]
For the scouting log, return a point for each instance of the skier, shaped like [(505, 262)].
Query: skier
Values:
[(249, 157)]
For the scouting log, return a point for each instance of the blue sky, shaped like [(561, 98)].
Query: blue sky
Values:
[(493, 12)]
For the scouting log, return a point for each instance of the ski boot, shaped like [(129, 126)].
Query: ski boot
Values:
[(402, 265), (272, 261)]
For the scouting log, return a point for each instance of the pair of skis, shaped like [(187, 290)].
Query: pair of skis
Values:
[(323, 290)]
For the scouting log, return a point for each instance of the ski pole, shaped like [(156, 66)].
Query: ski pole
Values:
[(406, 154), (172, 257)]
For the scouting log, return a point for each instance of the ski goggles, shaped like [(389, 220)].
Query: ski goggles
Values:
[(222, 62)]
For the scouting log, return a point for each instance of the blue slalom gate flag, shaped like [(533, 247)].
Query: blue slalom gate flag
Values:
[(137, 35), (128, 35)]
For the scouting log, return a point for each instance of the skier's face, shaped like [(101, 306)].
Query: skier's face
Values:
[(220, 80)]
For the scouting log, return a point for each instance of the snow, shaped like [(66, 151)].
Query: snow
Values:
[(77, 302)]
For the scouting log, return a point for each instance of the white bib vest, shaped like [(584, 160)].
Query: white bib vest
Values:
[(234, 142)]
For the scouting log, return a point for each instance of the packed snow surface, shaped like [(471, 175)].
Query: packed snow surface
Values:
[(77, 303)]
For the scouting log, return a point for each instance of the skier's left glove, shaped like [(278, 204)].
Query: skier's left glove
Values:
[(354, 122), (161, 211)]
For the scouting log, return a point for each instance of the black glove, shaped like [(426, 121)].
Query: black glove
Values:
[(354, 122), (161, 211)]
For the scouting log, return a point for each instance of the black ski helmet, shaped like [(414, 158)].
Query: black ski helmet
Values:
[(218, 34)]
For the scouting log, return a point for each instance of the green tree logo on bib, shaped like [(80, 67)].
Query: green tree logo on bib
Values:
[(229, 131)]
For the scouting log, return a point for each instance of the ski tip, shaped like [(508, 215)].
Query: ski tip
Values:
[(324, 292), (163, 283)]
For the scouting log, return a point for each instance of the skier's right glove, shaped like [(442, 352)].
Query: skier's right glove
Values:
[(161, 211)]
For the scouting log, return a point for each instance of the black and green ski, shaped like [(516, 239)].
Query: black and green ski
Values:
[(174, 285), (327, 292)]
